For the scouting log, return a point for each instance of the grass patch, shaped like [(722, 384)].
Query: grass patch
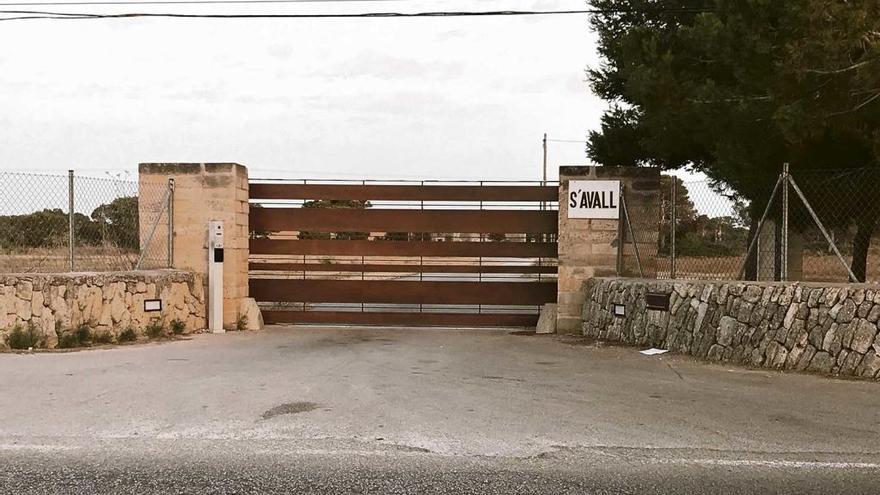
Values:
[(67, 340), (155, 330), (72, 338), (177, 326), (104, 337), (83, 333), (25, 338), (127, 335), (241, 323)]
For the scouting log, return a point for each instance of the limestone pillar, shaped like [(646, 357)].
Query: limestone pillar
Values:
[(205, 192), (588, 247)]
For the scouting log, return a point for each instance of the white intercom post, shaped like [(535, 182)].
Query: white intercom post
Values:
[(215, 276)]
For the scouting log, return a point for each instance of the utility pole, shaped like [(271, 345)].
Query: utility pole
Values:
[(544, 176)]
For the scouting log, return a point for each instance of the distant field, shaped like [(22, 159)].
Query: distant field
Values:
[(825, 268), (90, 258)]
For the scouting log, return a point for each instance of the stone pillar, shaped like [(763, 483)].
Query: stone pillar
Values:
[(205, 192), (588, 248)]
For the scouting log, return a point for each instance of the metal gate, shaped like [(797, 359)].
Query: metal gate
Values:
[(403, 253)]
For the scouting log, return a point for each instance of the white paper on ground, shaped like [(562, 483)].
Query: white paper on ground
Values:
[(652, 351)]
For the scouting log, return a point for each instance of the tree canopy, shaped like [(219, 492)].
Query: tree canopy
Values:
[(735, 88), (114, 223)]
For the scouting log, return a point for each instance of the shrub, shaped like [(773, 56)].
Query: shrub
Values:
[(76, 337), (104, 337), (127, 335), (155, 330), (241, 323), (68, 340), (83, 333), (177, 326), (25, 338)]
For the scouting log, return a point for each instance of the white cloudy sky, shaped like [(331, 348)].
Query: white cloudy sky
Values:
[(450, 98)]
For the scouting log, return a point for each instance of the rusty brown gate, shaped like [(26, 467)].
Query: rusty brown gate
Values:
[(403, 253)]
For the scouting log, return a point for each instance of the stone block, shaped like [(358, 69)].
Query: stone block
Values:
[(547, 319), (251, 314), (863, 337)]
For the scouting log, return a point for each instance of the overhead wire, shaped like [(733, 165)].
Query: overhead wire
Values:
[(37, 14)]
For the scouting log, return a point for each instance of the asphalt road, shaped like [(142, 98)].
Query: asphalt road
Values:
[(323, 410)]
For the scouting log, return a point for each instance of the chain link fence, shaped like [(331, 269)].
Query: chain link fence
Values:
[(61, 223), (828, 219)]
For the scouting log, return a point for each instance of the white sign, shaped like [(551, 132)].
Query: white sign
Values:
[(152, 305), (594, 199)]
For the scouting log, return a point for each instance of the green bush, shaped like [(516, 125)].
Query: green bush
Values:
[(241, 323), (177, 326), (103, 337), (75, 337), (83, 333), (68, 340), (155, 330), (25, 338), (127, 335)]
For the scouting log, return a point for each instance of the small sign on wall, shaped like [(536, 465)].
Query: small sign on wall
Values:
[(658, 301), (596, 199), (152, 305)]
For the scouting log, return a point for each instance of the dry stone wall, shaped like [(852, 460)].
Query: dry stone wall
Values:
[(830, 328), (110, 301)]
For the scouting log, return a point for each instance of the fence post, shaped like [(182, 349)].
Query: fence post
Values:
[(783, 271), (621, 234), (171, 223), (70, 213), (672, 228)]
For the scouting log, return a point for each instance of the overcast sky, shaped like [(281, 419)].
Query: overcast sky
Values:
[(449, 98)]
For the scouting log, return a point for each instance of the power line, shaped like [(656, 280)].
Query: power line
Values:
[(30, 14), (182, 2), (33, 14)]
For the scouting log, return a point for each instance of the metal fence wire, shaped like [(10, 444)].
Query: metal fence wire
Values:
[(60, 223), (831, 227)]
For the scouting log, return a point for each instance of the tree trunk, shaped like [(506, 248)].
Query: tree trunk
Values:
[(861, 243)]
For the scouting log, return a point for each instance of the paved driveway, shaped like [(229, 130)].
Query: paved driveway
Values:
[(469, 401)]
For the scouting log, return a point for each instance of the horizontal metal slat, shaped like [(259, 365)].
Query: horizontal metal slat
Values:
[(402, 292), (399, 268), (388, 220), (408, 319), (382, 192), (403, 248)]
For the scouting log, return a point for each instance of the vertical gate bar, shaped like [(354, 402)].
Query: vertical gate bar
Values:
[(672, 228), (363, 184), (304, 305), (783, 272), (421, 257), (70, 220), (480, 259)]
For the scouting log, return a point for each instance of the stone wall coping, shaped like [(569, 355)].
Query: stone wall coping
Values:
[(744, 282), (567, 172), (183, 168), (63, 277)]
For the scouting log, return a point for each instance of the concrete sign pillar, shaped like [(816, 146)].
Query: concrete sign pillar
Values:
[(588, 247), (205, 192)]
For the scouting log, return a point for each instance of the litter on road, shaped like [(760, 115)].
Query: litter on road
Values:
[(653, 351)]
